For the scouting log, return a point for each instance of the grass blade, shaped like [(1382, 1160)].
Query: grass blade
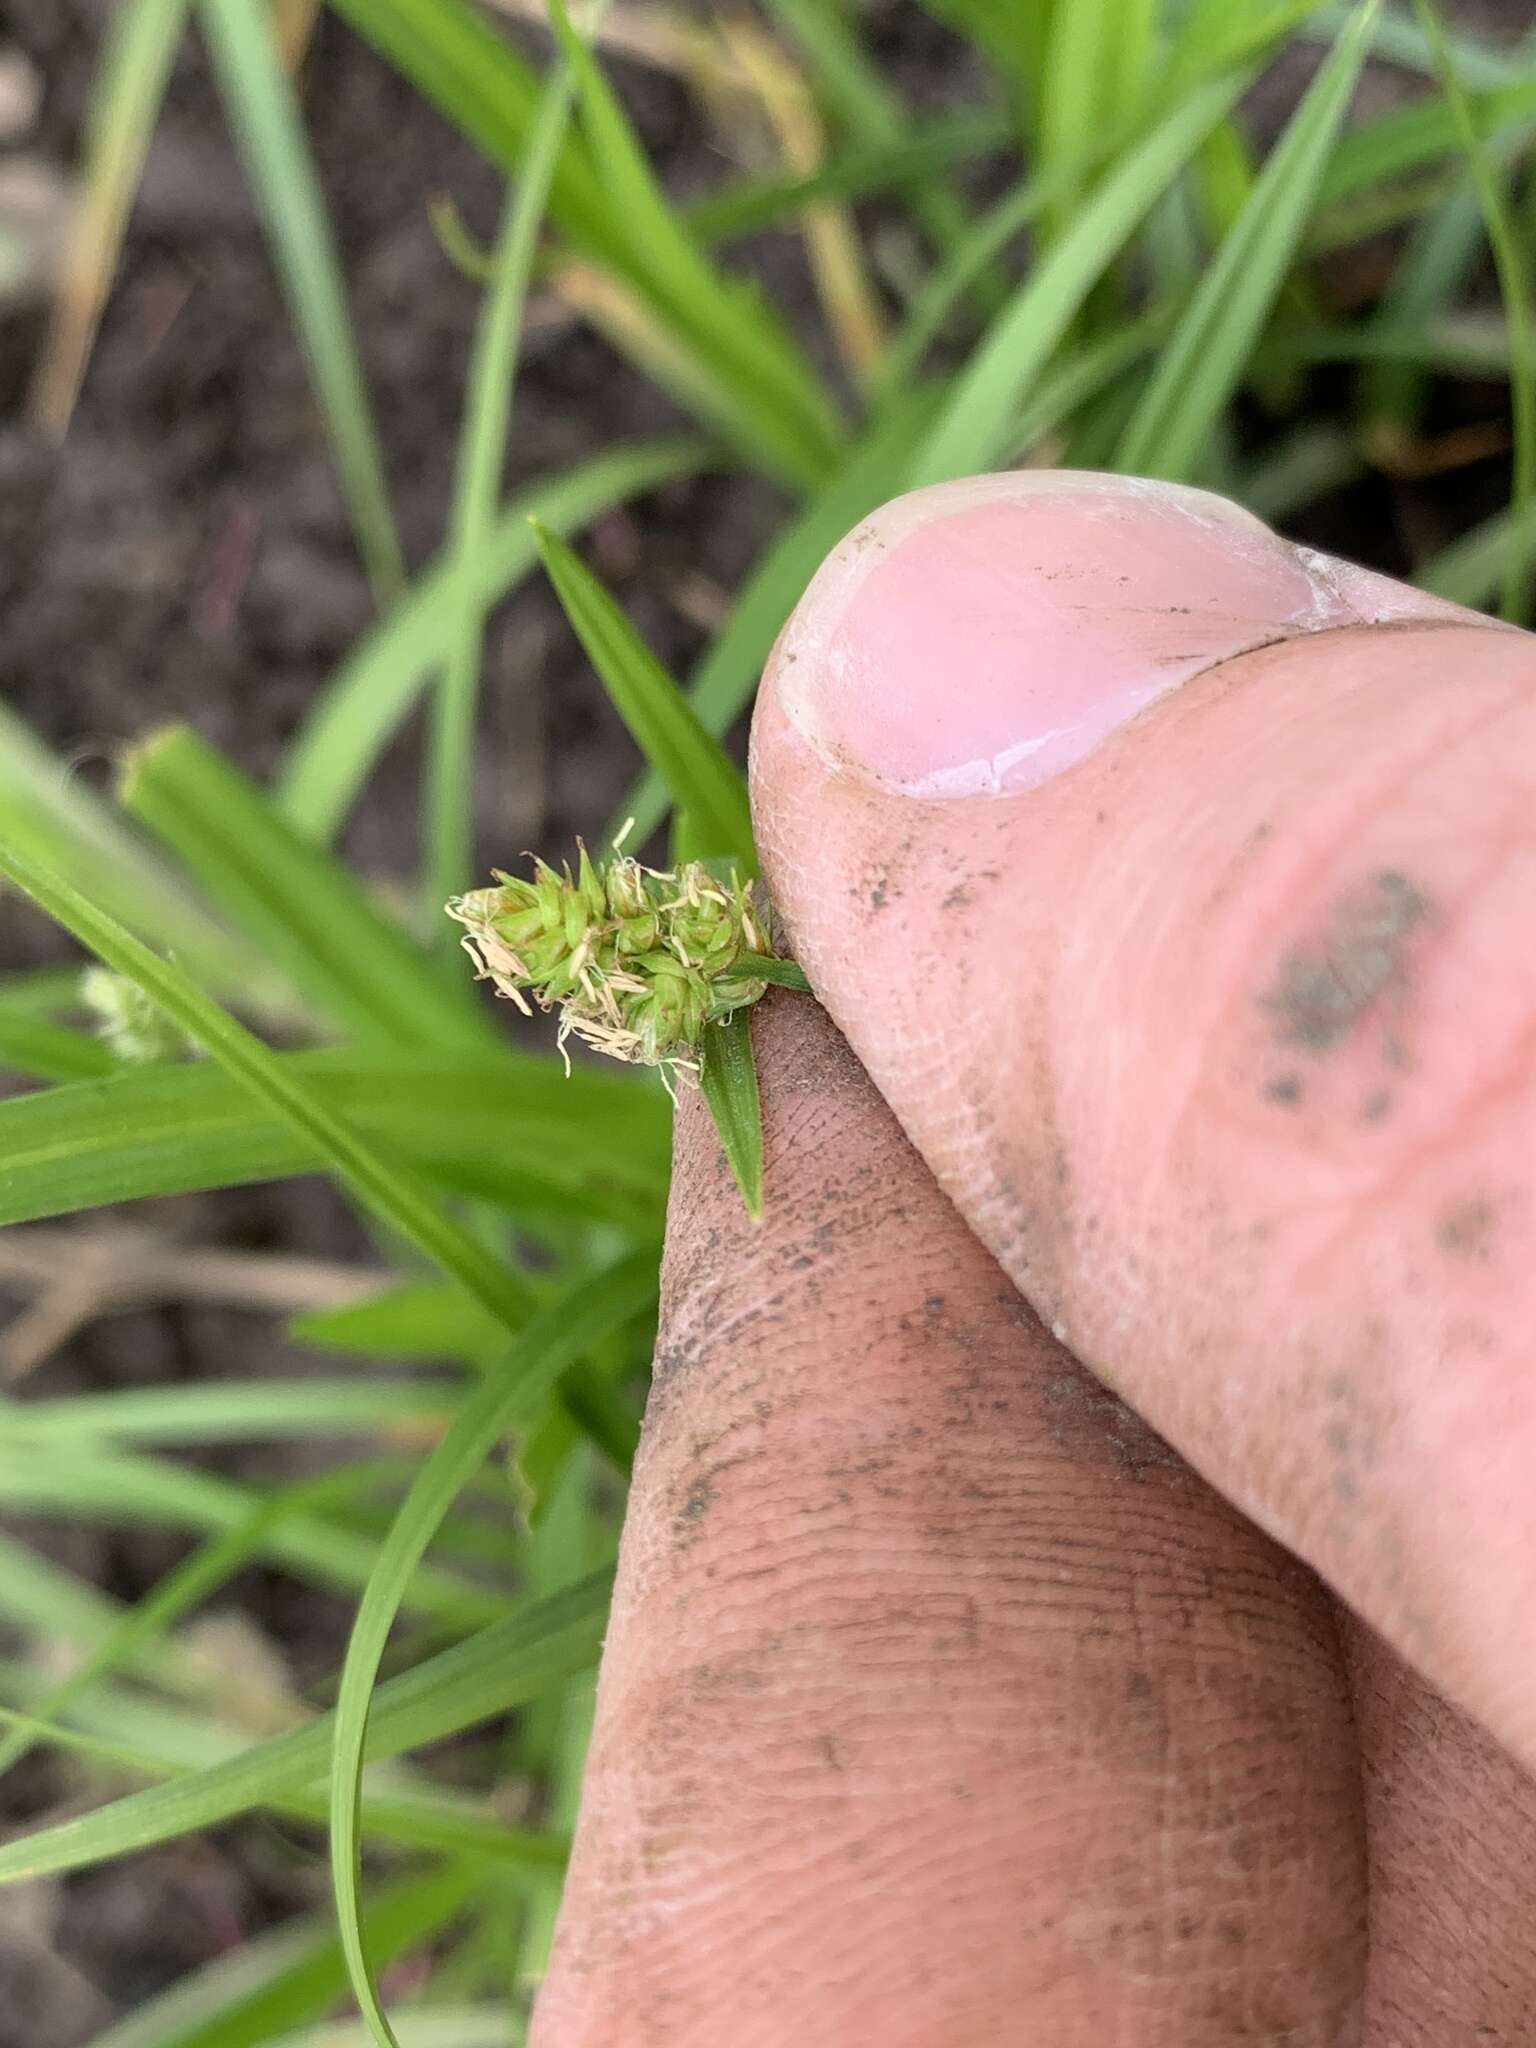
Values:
[(1204, 361), (1012, 34), (512, 1130), (854, 88), (433, 2026), (375, 689), (136, 59), (265, 1411), (853, 310), (449, 821), (381, 1187), (90, 1482), (453, 57), (416, 1321), (53, 815), (304, 912), (1398, 40), (585, 1312), (721, 686), (1413, 136), (779, 415), (1093, 73), (728, 1078), (137, 1633), (698, 773), (1510, 260), (777, 973), (288, 1976), (266, 122), (918, 154), (503, 1666), (39, 1597), (51, 1052), (1471, 570), (978, 417)]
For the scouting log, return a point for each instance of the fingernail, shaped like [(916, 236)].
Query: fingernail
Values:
[(983, 636)]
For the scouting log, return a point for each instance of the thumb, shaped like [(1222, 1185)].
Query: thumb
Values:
[(1178, 889)]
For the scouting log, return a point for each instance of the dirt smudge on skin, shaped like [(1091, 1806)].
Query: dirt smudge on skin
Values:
[(1325, 987), (1464, 1229), (1081, 1414)]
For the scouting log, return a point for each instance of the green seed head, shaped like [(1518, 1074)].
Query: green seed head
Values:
[(637, 961)]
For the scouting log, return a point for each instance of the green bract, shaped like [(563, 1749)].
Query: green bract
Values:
[(637, 961)]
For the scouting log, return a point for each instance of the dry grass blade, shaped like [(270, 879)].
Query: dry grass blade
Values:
[(135, 65), (74, 1276), (831, 238)]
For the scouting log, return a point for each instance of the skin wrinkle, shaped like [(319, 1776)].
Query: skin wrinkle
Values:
[(968, 1654), (1452, 1824)]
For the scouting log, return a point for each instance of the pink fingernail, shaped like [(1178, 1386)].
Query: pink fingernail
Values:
[(982, 636)]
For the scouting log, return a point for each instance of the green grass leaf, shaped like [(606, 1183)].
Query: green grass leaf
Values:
[(1093, 74), (737, 364), (778, 414), (413, 1320), (1011, 34), (728, 1079), (95, 1482), (359, 712), (449, 824), (1399, 40), (52, 814), (589, 1309), (170, 1744), (1303, 466), (350, 961), (132, 1638), (429, 2026), (1510, 255), (721, 686), (512, 1130), (292, 1974), (40, 1598), (455, 59), (265, 1411), (1214, 33), (975, 423), (504, 1666), (385, 1190), (853, 87), (40, 993), (777, 973), (51, 1052), (1206, 358), (1410, 137), (907, 161), (1470, 570), (700, 776), (266, 122)]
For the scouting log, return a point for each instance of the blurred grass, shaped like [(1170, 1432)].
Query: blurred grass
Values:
[(1106, 256)]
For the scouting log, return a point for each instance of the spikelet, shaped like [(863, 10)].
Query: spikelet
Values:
[(636, 960)]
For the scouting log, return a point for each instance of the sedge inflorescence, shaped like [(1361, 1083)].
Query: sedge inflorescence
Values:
[(638, 961)]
